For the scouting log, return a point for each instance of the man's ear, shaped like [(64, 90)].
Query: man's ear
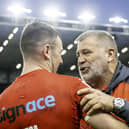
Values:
[(46, 51), (111, 55)]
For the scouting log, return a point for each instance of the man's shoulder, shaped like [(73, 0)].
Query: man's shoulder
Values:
[(123, 85), (43, 74), (122, 90), (72, 79)]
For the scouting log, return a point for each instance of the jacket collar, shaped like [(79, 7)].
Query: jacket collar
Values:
[(121, 75)]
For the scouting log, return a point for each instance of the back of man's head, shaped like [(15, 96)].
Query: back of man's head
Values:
[(34, 36)]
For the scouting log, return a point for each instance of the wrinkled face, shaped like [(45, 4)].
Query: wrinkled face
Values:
[(92, 59), (56, 58)]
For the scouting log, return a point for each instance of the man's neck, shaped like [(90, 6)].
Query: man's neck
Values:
[(31, 66), (102, 82), (98, 83), (28, 69)]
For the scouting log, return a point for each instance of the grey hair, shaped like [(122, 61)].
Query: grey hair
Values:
[(104, 37)]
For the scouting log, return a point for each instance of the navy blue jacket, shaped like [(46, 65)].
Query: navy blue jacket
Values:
[(121, 75)]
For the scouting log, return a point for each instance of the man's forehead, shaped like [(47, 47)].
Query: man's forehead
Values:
[(81, 46), (87, 44), (89, 41)]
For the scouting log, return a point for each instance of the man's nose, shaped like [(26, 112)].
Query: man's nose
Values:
[(81, 60)]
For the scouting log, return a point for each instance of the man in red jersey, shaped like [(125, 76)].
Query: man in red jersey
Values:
[(40, 98)]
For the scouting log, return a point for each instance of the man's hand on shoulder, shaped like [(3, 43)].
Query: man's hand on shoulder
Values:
[(95, 101)]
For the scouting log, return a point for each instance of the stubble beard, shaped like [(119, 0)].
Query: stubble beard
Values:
[(95, 74)]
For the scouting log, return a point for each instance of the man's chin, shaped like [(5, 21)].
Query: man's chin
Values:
[(86, 77)]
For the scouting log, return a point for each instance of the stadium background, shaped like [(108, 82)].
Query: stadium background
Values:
[(70, 17)]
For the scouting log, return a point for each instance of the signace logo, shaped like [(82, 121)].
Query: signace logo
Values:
[(11, 113)]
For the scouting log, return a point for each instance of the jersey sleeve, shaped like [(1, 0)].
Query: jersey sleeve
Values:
[(80, 85), (77, 111)]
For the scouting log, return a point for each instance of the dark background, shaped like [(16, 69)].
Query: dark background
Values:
[(69, 28)]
